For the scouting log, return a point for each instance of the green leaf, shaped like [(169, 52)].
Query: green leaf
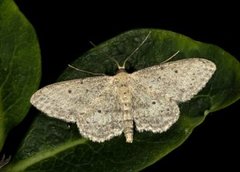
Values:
[(53, 145), (19, 66)]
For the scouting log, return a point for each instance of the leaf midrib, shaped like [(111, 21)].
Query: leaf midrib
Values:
[(24, 164)]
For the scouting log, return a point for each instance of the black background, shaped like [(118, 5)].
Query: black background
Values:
[(64, 29)]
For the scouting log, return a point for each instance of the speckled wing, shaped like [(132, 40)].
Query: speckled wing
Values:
[(157, 90), (66, 100), (177, 80), (102, 119), (151, 112)]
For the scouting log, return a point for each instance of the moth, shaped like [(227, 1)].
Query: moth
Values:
[(107, 106)]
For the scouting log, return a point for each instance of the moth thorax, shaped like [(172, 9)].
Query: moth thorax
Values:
[(121, 69)]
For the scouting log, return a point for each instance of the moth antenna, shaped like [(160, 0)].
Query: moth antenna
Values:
[(94, 45), (134, 51), (84, 71), (114, 60), (172, 56)]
